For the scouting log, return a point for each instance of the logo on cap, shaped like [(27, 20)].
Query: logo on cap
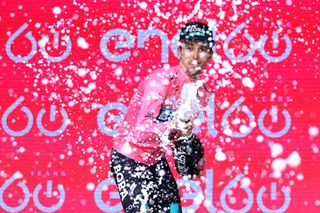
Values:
[(194, 30)]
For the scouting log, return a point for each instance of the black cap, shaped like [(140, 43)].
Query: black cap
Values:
[(197, 31)]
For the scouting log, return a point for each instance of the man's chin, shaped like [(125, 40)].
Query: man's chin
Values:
[(194, 72)]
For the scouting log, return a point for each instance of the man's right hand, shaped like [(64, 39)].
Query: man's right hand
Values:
[(183, 127)]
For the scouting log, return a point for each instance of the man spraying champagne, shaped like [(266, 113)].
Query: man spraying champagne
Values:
[(165, 103)]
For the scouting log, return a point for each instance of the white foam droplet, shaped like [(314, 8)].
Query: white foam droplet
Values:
[(300, 176), (279, 164), (276, 150), (313, 131), (126, 149), (143, 5), (18, 175), (90, 186), (82, 43), (245, 182), (294, 160), (220, 156), (247, 82), (259, 138), (56, 10), (44, 81), (118, 71)]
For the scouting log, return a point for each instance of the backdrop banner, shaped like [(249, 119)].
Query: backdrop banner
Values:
[(68, 72)]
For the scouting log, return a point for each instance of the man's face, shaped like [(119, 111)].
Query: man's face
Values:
[(194, 56)]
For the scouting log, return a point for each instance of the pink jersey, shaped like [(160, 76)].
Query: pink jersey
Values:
[(151, 106)]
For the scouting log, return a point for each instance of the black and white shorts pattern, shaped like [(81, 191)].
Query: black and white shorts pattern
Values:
[(143, 187)]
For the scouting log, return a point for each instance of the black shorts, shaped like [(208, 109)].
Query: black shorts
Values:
[(145, 187)]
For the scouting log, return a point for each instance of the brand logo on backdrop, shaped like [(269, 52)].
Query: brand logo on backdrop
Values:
[(30, 117), (273, 111), (36, 195), (196, 190), (142, 35), (191, 195)]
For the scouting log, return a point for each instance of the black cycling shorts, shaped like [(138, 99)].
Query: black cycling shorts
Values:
[(143, 187)]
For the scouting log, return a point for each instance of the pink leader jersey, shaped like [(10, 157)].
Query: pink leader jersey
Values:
[(152, 104)]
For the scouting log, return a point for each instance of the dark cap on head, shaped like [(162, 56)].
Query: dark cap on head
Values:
[(197, 31)]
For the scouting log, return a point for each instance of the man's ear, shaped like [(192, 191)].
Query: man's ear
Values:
[(210, 54), (179, 51)]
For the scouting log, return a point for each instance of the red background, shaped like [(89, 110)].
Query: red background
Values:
[(80, 154)]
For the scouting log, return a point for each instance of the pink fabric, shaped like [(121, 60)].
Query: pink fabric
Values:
[(136, 138)]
